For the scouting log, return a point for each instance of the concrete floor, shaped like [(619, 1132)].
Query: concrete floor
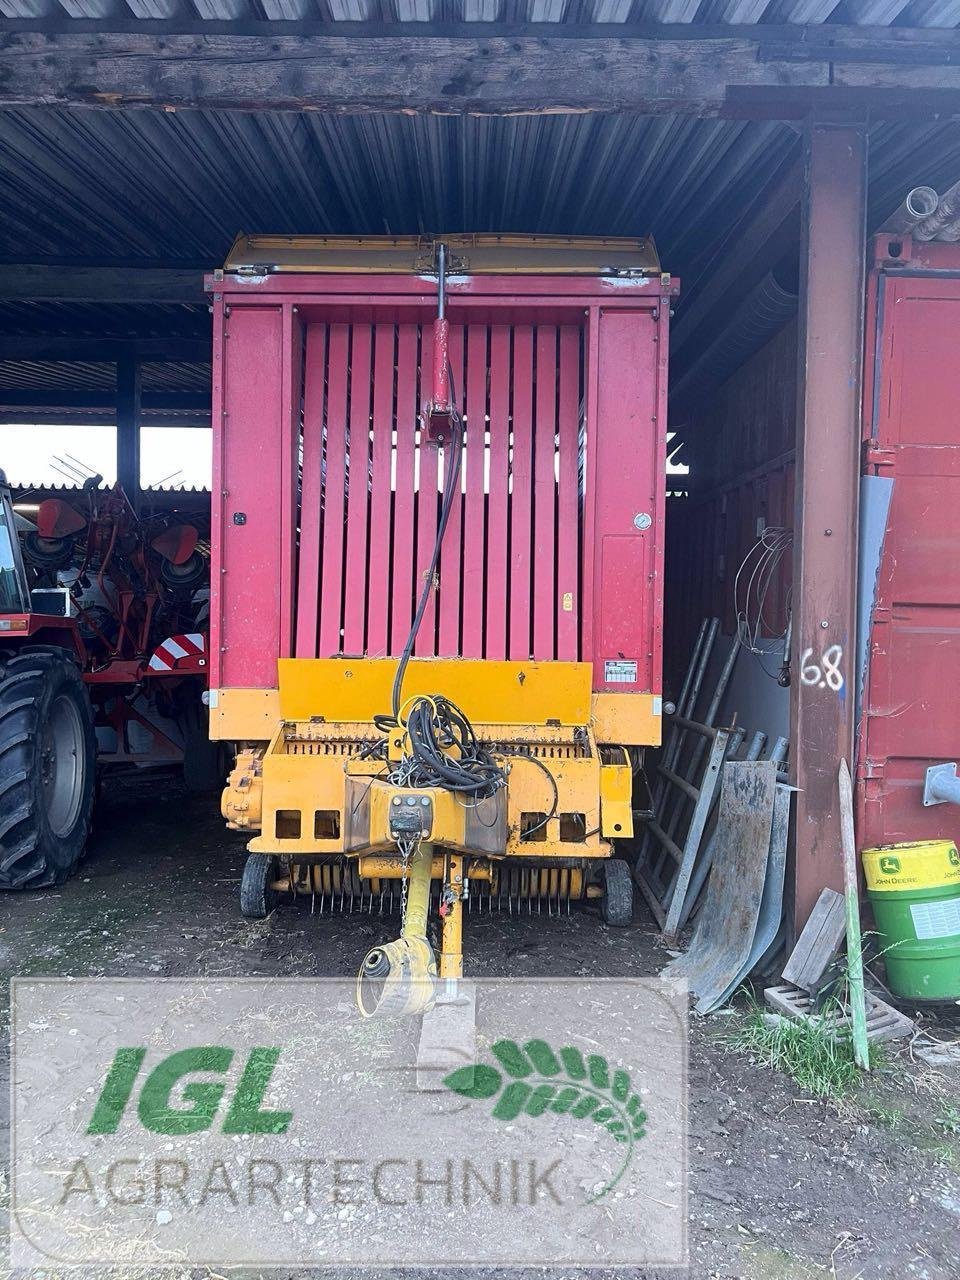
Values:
[(782, 1185)]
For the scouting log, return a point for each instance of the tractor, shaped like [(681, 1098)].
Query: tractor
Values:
[(102, 664)]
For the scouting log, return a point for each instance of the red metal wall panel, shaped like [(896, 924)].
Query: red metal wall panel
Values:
[(911, 709), (542, 553), (629, 472), (253, 556)]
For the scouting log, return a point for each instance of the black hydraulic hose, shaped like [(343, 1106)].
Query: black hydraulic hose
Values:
[(449, 489)]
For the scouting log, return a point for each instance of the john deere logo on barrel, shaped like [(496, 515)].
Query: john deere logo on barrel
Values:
[(889, 865), (954, 856)]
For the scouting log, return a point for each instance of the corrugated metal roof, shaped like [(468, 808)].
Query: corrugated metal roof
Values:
[(143, 186), (928, 13)]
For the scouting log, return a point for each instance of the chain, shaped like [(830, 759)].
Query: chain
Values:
[(405, 848)]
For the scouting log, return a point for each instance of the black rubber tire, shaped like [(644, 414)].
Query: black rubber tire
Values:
[(44, 823), (257, 895), (204, 763), (616, 904)]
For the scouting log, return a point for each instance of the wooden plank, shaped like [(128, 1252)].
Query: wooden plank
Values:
[(30, 346), (40, 282), (84, 398), (436, 73), (818, 943)]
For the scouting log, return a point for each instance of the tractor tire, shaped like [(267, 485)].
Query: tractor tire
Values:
[(616, 903), (257, 894), (48, 760)]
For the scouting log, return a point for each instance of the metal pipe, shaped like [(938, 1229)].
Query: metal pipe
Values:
[(442, 280), (941, 785), (951, 232), (918, 204), (947, 211)]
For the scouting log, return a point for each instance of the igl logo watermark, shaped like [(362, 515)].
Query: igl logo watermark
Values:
[(227, 1123), (156, 1110), (563, 1083)]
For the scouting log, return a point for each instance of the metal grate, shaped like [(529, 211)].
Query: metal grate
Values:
[(509, 579)]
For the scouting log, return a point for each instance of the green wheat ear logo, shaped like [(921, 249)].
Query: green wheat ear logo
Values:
[(564, 1083)]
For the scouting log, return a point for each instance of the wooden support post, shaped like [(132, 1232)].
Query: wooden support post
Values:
[(128, 428), (825, 546)]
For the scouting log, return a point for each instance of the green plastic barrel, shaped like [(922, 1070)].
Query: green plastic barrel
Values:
[(915, 893)]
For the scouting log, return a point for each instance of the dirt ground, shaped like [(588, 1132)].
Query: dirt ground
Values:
[(783, 1186)]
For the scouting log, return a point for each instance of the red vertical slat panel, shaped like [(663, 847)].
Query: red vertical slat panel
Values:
[(498, 499), (358, 473), (308, 577), (378, 589), (404, 496), (517, 589), (334, 481), (474, 566), (545, 496), (568, 507), (219, 496), (251, 551), (450, 554), (591, 382), (291, 387), (426, 644)]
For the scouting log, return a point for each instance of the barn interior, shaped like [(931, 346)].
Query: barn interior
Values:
[(112, 216)]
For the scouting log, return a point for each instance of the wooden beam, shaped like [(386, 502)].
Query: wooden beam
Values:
[(128, 427), (41, 347), (823, 665), (42, 282), (726, 70), (83, 398)]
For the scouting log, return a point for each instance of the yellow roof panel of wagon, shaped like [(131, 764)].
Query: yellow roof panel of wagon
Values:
[(466, 255)]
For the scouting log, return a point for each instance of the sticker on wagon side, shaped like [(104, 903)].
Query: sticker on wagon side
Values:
[(619, 671)]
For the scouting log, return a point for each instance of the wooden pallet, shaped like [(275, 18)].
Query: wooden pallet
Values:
[(883, 1021)]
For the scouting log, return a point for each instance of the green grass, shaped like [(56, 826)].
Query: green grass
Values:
[(947, 1119), (820, 1062)]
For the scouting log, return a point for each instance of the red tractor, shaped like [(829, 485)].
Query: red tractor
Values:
[(102, 663)]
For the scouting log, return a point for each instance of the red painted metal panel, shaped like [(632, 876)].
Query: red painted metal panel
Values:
[(544, 495), (404, 502), (451, 553), (291, 382), (499, 497), (218, 406), (627, 476), (521, 507), (553, 402), (475, 570), (568, 500), (427, 508), (308, 590), (911, 708), (252, 553), (378, 572), (334, 495), (358, 487)]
